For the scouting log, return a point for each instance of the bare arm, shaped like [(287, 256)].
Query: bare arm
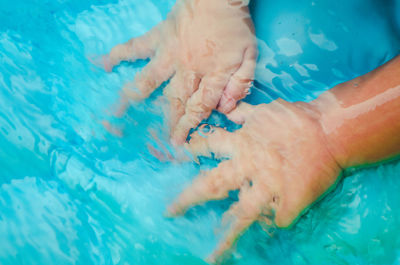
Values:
[(361, 118), (288, 155)]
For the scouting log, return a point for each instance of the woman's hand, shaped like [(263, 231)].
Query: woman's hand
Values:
[(279, 160), (209, 49), (287, 155)]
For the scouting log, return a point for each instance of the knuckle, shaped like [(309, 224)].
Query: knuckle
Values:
[(210, 97)]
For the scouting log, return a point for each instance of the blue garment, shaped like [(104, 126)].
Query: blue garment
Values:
[(308, 46)]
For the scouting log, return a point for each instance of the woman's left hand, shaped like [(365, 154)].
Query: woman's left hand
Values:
[(209, 49)]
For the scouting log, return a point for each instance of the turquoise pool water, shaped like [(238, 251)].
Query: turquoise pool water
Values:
[(70, 193)]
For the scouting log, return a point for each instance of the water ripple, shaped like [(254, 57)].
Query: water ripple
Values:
[(70, 193)]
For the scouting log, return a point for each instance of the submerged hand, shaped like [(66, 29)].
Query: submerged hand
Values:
[(278, 160), (208, 47)]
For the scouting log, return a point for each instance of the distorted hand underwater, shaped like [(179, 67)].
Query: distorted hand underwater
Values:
[(287, 155), (212, 66)]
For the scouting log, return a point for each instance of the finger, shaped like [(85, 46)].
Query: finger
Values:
[(200, 105), (112, 129), (181, 87), (218, 141), (121, 107), (172, 93), (157, 71), (242, 214), (242, 112), (214, 185), (136, 48), (240, 82)]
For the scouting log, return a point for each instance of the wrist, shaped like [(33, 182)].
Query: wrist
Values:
[(323, 112), (361, 133), (329, 114)]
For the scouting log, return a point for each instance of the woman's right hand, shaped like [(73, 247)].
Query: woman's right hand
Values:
[(279, 160), (209, 49), (287, 155)]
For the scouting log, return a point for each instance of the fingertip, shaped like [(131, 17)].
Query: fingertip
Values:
[(101, 61), (174, 210), (175, 141), (131, 92), (178, 137), (111, 129), (170, 213), (220, 254), (187, 147), (193, 155), (107, 63), (212, 259)]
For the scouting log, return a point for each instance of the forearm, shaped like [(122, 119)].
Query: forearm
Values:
[(361, 118)]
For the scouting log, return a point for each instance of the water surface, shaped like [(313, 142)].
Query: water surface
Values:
[(71, 193)]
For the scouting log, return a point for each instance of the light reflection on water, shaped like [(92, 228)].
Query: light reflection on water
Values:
[(70, 193)]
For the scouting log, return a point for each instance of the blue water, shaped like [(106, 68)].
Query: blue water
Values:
[(70, 193)]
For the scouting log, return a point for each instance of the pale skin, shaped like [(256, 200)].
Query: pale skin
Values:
[(286, 155), (292, 153), (208, 50)]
